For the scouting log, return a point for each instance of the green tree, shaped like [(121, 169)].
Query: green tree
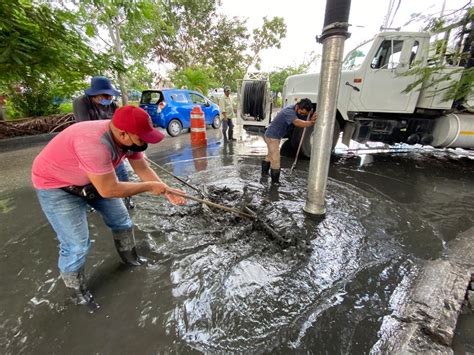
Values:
[(41, 54), (278, 77), (131, 26), (195, 35), (194, 78), (457, 27), (268, 36)]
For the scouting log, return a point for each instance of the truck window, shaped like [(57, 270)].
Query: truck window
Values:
[(388, 55), (355, 58), (179, 98), (414, 52), (197, 99)]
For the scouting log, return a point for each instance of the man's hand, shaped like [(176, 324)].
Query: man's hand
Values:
[(158, 188), (314, 117), (173, 198)]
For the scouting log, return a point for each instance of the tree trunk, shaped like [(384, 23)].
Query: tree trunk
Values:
[(114, 31)]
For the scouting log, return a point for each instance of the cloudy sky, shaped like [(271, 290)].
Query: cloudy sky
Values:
[(304, 20)]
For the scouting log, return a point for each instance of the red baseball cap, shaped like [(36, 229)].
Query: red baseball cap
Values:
[(135, 120)]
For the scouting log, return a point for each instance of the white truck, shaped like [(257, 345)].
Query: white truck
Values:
[(372, 104)]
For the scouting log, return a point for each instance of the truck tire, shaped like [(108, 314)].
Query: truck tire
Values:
[(306, 146)]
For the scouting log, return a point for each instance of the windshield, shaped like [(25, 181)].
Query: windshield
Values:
[(356, 57)]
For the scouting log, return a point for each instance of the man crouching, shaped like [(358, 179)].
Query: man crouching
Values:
[(76, 170)]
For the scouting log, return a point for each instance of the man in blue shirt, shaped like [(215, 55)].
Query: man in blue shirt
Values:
[(291, 115)]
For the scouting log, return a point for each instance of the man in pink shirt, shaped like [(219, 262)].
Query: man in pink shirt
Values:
[(76, 169)]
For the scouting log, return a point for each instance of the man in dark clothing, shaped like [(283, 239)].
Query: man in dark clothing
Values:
[(98, 104), (293, 115)]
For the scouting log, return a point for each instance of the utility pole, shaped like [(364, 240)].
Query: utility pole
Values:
[(333, 37)]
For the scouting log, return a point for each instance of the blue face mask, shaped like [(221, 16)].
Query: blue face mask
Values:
[(105, 102)]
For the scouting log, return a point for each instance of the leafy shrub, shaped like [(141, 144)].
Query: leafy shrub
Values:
[(34, 98)]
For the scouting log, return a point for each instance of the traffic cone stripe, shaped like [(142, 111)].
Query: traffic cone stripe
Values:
[(198, 127)]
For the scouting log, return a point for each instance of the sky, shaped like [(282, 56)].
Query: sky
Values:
[(305, 18)]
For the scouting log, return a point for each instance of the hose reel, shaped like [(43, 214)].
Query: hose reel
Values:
[(254, 100)]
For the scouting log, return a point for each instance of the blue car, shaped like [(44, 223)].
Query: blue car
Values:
[(171, 109)]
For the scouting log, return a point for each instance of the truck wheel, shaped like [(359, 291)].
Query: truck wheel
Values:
[(174, 128), (306, 146)]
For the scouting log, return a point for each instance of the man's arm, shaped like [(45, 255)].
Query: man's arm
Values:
[(145, 173), (143, 170), (222, 108), (108, 186), (303, 124)]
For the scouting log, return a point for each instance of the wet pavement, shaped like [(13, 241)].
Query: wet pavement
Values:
[(216, 281)]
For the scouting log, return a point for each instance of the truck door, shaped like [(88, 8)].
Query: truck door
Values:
[(384, 82)]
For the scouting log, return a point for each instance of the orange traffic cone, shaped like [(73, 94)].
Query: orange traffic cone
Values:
[(198, 127)]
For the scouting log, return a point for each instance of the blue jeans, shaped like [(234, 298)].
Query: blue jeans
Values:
[(67, 214), (121, 172), (227, 124)]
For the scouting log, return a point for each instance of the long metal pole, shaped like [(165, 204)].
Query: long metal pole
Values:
[(301, 143), (333, 37), (176, 177), (212, 204)]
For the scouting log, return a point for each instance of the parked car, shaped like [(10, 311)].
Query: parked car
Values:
[(171, 109)]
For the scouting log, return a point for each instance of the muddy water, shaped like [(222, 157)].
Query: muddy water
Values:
[(216, 282)]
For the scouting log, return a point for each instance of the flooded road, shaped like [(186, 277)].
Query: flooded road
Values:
[(216, 282)]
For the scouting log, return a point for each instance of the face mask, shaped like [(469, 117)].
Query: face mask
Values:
[(105, 102), (137, 148), (301, 117)]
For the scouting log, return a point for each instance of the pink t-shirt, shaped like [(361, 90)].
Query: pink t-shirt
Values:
[(84, 147)]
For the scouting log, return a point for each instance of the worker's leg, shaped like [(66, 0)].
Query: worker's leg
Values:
[(266, 161), (274, 157), (122, 175), (67, 214), (116, 217), (273, 152), (224, 128), (230, 124)]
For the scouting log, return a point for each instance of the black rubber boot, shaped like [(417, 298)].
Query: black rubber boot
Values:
[(265, 167), (275, 175), (75, 282), (125, 244), (231, 134)]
